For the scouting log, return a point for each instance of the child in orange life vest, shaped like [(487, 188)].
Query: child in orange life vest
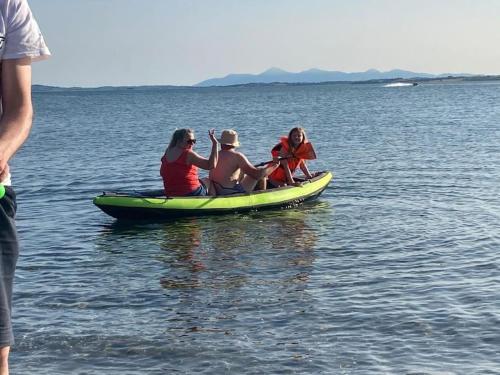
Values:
[(295, 148)]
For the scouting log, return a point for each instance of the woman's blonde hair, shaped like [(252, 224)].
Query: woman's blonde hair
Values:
[(178, 136)]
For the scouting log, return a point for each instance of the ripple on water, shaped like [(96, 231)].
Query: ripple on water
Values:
[(393, 271)]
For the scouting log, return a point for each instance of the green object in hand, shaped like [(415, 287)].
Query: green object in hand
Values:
[(2, 191)]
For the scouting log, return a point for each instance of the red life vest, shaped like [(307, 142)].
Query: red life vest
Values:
[(179, 178), (283, 149)]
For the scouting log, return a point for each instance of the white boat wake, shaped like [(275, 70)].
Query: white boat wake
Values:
[(399, 84)]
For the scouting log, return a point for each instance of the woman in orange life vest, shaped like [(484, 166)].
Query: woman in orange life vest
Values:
[(179, 165), (295, 148)]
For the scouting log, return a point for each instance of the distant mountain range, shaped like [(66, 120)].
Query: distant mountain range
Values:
[(275, 75), (311, 76)]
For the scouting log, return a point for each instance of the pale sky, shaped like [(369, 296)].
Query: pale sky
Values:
[(183, 42)]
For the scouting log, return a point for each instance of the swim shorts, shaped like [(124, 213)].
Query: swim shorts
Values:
[(200, 191), (9, 251), (236, 189)]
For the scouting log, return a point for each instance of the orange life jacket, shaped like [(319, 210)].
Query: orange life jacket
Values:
[(283, 149)]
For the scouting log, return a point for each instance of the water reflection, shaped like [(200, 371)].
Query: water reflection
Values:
[(227, 252), (183, 241)]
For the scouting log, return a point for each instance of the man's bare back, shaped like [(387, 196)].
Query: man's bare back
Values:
[(233, 168), (230, 168)]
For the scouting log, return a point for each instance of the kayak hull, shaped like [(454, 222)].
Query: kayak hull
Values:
[(140, 206)]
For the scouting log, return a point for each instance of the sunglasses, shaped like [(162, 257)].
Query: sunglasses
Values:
[(191, 141)]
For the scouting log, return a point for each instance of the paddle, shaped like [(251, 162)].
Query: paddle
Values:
[(270, 161)]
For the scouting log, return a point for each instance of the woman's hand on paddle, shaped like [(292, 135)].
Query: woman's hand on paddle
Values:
[(211, 134)]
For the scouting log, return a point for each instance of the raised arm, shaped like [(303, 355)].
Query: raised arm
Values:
[(200, 161), (17, 116)]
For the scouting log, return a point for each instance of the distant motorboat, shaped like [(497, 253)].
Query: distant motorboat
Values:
[(401, 84)]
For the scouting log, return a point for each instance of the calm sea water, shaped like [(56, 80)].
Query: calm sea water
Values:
[(394, 270)]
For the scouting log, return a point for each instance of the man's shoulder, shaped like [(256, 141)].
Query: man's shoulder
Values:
[(21, 32), (232, 154), (6, 5), (239, 155)]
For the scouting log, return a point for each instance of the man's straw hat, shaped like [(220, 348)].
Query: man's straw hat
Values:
[(229, 137)]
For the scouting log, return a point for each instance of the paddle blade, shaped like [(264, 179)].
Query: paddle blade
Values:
[(306, 151)]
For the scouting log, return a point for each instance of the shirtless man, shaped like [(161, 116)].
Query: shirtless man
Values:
[(234, 173)]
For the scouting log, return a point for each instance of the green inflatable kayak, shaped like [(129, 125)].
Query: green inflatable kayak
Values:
[(151, 205)]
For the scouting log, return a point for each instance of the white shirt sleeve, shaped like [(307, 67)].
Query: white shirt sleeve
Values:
[(22, 34)]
